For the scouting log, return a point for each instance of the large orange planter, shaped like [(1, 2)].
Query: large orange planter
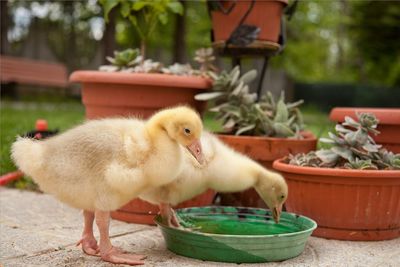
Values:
[(346, 204), (264, 150), (139, 211), (107, 94), (265, 14), (110, 94), (389, 124)]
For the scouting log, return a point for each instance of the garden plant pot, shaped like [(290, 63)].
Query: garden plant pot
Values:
[(111, 94), (140, 211), (346, 204), (264, 150), (107, 94), (389, 124), (266, 15)]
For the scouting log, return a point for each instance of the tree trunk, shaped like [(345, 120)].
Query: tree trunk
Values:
[(4, 27), (109, 43), (179, 36), (71, 38)]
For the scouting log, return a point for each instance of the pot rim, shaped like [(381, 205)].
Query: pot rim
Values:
[(344, 173), (308, 136), (154, 79), (384, 115)]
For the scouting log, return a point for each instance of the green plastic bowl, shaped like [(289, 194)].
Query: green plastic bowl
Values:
[(239, 235)]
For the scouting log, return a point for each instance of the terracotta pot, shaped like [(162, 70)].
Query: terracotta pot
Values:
[(265, 14), (389, 124), (107, 94), (346, 204), (139, 211), (264, 150)]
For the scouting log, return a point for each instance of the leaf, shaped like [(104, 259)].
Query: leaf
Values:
[(108, 5), (327, 140), (248, 76), (283, 130), (339, 128), (235, 73), (125, 9), (295, 104), (138, 5), (229, 124), (371, 147), (163, 18), (245, 129), (327, 156), (208, 96), (343, 152), (282, 113), (176, 7), (133, 20)]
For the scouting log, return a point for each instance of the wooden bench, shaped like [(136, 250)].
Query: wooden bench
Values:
[(32, 72)]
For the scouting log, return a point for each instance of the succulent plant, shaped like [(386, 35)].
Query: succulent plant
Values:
[(130, 60), (205, 57), (241, 114), (123, 60), (178, 69), (148, 66), (351, 147)]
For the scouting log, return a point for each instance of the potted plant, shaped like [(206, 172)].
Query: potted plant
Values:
[(389, 124), (351, 189), (264, 130), (133, 85), (247, 23)]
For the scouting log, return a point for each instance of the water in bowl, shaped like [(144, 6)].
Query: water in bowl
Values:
[(238, 224)]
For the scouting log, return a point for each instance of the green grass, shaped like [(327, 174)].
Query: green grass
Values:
[(17, 118)]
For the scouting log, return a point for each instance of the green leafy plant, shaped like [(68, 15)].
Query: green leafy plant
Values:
[(240, 112), (352, 147), (144, 15)]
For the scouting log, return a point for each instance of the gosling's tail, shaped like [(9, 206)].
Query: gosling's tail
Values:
[(27, 155)]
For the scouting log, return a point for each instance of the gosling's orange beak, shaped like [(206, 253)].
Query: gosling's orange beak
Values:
[(195, 149), (276, 212)]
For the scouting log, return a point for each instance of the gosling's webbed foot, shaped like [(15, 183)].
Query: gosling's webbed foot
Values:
[(89, 245), (115, 255)]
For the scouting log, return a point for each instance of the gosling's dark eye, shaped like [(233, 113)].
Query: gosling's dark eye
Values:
[(282, 197), (187, 131)]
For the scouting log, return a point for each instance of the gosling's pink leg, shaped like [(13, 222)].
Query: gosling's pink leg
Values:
[(89, 243), (107, 251), (168, 215)]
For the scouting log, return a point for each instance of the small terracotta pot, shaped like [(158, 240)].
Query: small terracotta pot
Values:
[(107, 94), (265, 14), (139, 211), (389, 124), (346, 204), (264, 150)]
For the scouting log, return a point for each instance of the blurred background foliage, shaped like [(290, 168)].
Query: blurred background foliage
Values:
[(328, 41)]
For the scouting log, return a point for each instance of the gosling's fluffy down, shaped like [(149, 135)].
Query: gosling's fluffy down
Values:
[(103, 164), (225, 170)]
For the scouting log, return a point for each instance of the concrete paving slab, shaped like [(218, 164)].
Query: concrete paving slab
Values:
[(37, 230)]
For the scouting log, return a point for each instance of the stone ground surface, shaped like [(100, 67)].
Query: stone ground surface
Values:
[(37, 230)]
